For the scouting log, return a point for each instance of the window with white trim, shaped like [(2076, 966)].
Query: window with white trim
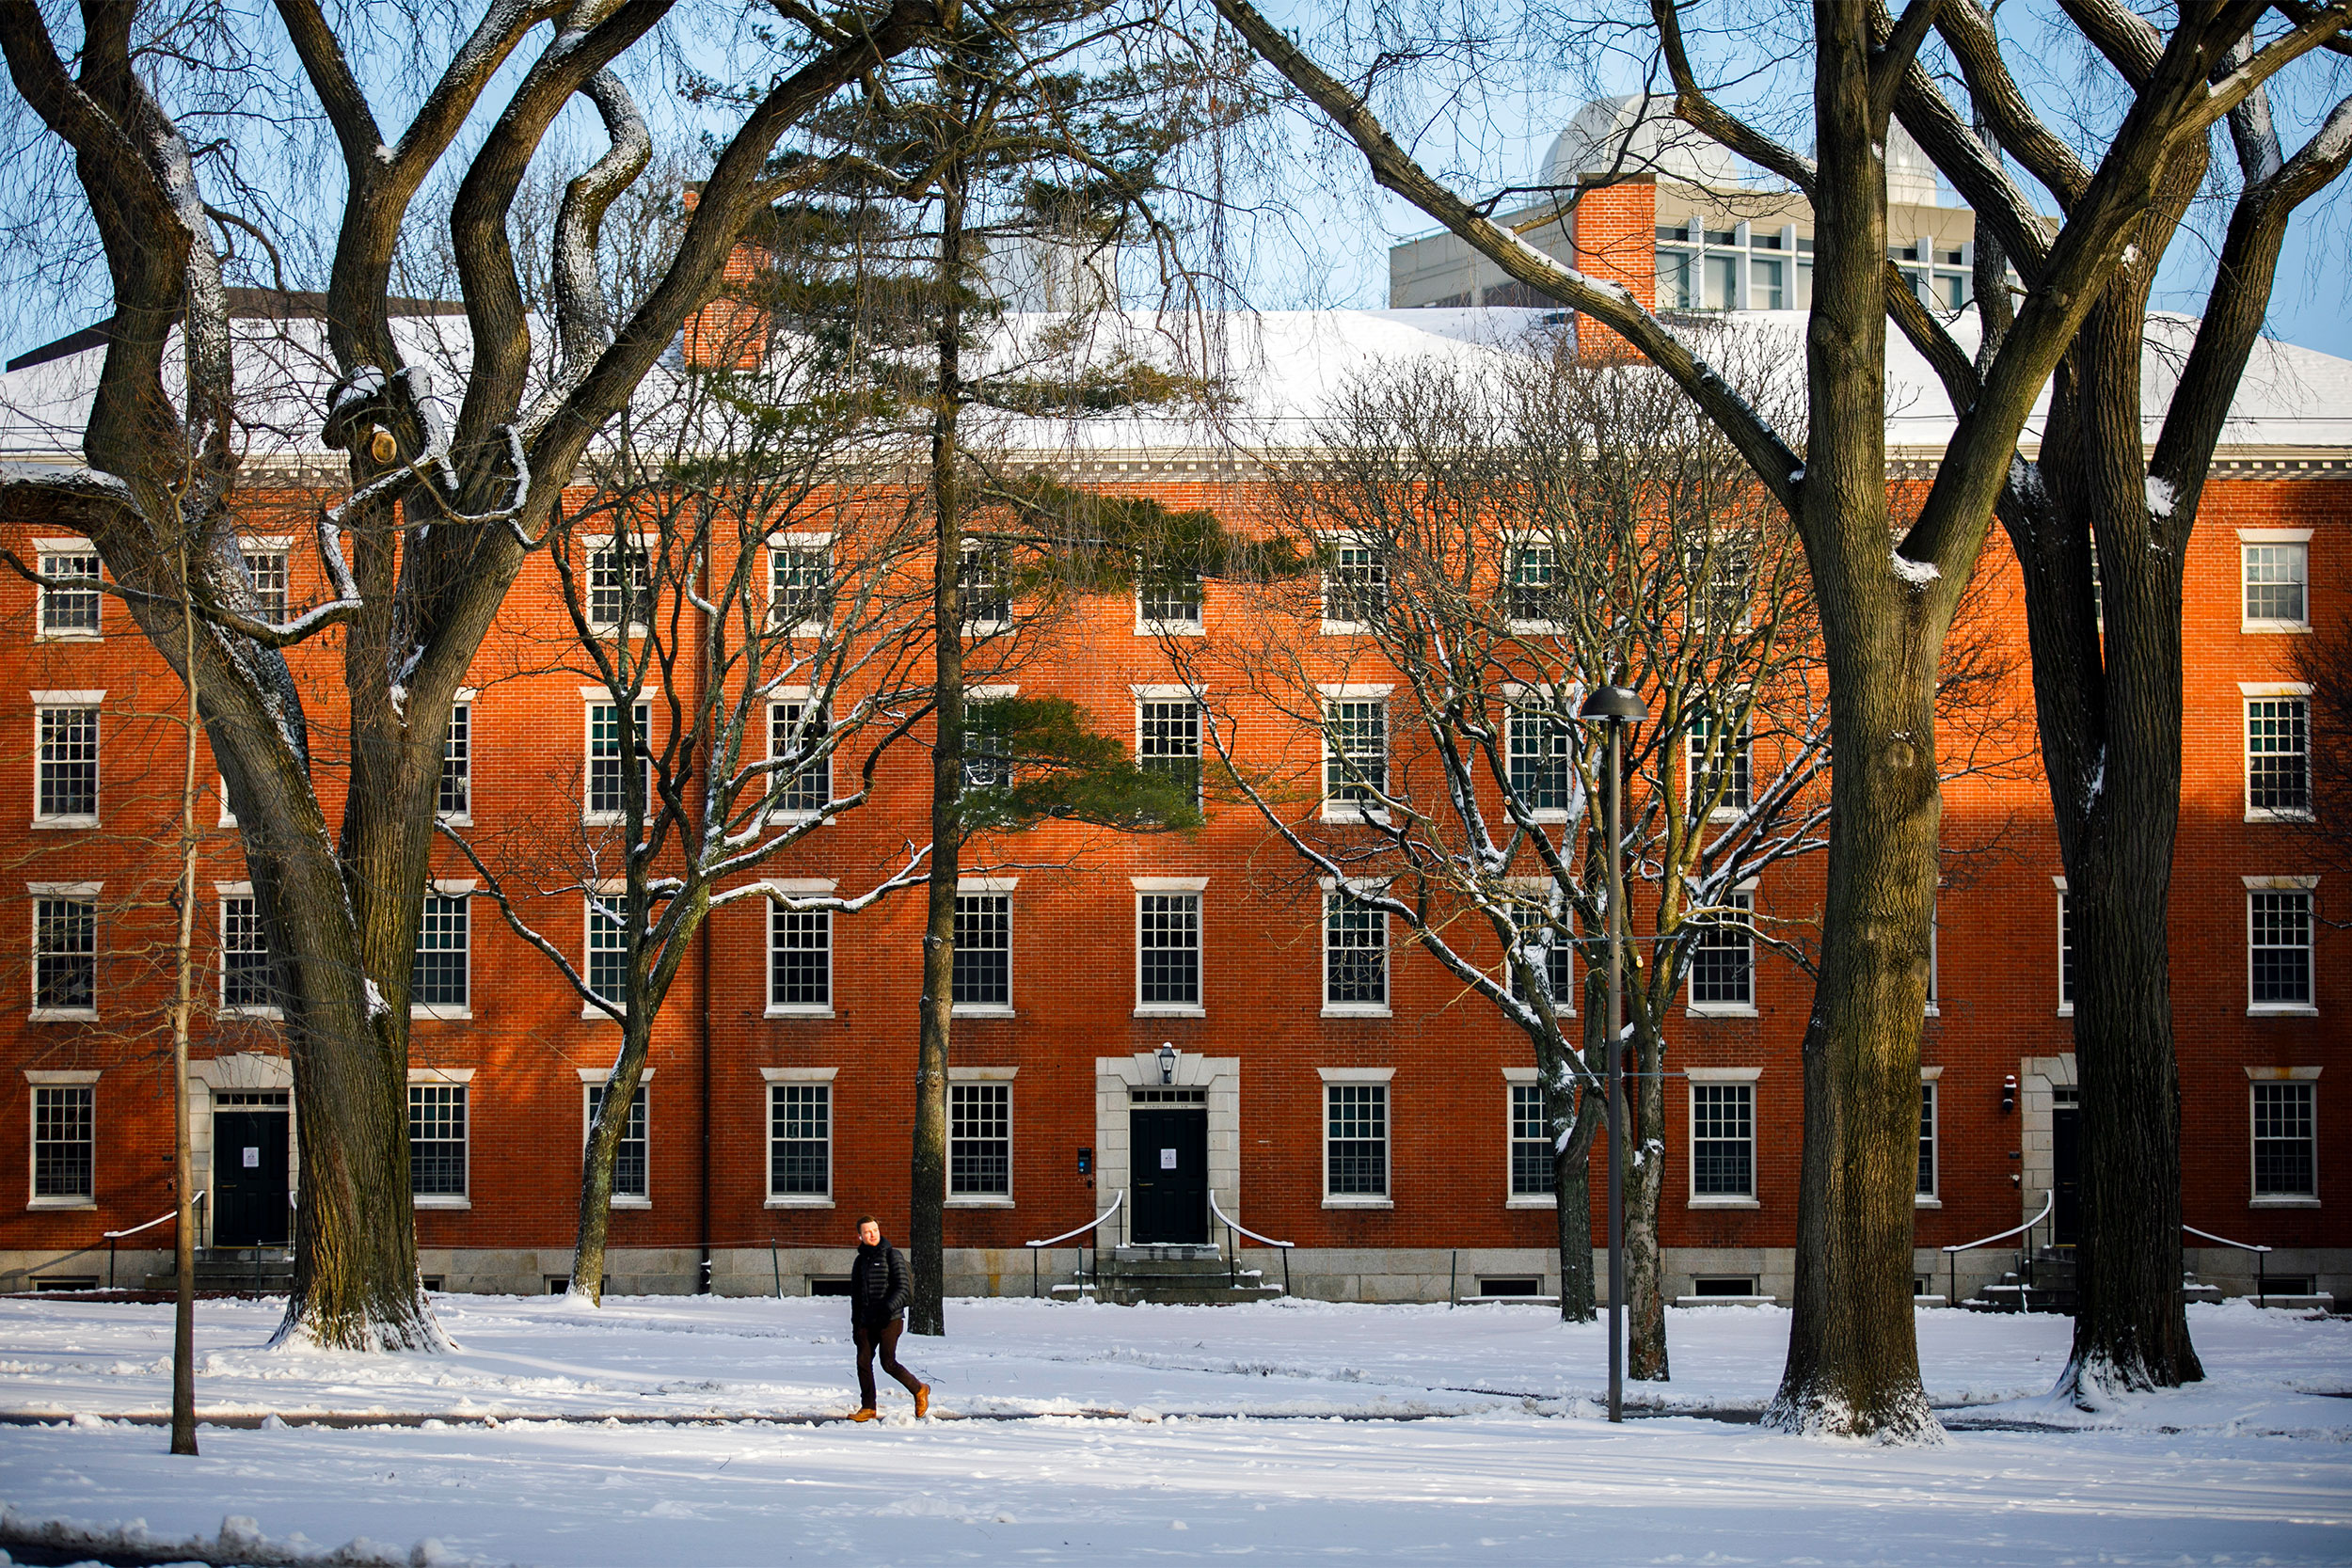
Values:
[(984, 966), (1167, 600), (620, 584), (1354, 756), (800, 1140), (1355, 1140), (1532, 1174), (2276, 577), (794, 728), (1168, 741), (453, 803), (2286, 1139), (2278, 756), (607, 966), (1723, 1140), (800, 959), (266, 577), (980, 1140), (1723, 962), (65, 764), (607, 799), (630, 1176), (2279, 947), (69, 596), (1168, 950), (1722, 575), (1354, 586), (1557, 965), (1532, 582), (987, 750), (800, 585), (439, 984), (1926, 1187), (65, 954), (1716, 758), (65, 1141), (437, 1140), (1355, 951), (247, 983), (984, 588), (1543, 776), (2065, 952)]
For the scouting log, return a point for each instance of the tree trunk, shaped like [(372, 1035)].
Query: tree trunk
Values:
[(604, 1150), (1572, 1187), (183, 1006), (1644, 1181)]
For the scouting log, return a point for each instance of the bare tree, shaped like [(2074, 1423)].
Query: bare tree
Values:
[(1853, 1365)]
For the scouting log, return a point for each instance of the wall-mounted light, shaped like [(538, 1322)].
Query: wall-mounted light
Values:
[(1167, 1062), (2009, 1094)]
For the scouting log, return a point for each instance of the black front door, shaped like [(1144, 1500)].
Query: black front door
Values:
[(1171, 1149), (249, 1179), (2066, 1214)]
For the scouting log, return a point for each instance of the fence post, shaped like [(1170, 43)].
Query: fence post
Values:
[(775, 1268), (1452, 1280)]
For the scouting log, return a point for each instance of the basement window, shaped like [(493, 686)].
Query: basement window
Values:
[(1723, 1285), (1510, 1285)]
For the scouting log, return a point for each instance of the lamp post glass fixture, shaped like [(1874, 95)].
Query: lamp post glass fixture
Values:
[(1167, 1062), (1617, 707)]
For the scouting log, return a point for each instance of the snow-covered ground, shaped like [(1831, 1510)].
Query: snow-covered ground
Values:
[(1288, 1430)]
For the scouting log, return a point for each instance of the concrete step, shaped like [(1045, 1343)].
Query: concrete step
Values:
[(1216, 1293)]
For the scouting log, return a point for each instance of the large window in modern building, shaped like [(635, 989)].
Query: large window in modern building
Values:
[(2278, 756), (65, 764), (1723, 1140), (1168, 949), (629, 1172), (800, 1140), (1722, 964), (800, 959), (64, 1141), (980, 1140), (983, 968), (2286, 1139), (438, 983), (437, 1140), (1532, 1171), (1355, 1140), (65, 954), (2278, 948), (1355, 951)]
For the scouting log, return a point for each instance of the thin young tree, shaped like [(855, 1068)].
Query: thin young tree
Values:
[(1886, 598)]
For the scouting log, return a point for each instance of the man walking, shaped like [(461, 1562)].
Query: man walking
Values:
[(878, 1299)]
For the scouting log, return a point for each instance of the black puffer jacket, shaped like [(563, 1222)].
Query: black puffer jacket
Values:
[(878, 1283)]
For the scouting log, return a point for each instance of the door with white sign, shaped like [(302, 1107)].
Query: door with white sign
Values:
[(1168, 1145), (249, 1206)]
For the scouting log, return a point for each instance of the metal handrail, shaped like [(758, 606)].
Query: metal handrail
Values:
[(2242, 1246), (1951, 1254), (111, 1237), (2262, 1272), (1056, 1241), (1233, 1265)]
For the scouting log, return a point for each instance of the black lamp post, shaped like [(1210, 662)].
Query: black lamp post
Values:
[(1618, 707)]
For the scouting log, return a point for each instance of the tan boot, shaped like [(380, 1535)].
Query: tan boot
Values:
[(868, 1414), (922, 1401)]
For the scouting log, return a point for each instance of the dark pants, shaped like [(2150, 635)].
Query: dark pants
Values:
[(880, 1335)]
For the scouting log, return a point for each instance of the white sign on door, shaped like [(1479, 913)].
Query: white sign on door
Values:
[(1167, 1159), (253, 1158)]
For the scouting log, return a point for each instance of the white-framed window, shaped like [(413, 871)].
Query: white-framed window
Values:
[(800, 1140), (1355, 752), (65, 1142), (2278, 752), (2279, 944), (800, 960), (1355, 954), (1354, 586), (1721, 576), (1715, 757), (605, 948), (2275, 576), (631, 1171), (453, 800), (606, 800), (2065, 951), (438, 1162), (799, 583), (980, 1139), (1723, 961), (65, 758), (982, 980), (1167, 603), (65, 950), (1722, 1141), (1355, 1137), (1924, 1191), (440, 984), (1555, 960), (620, 584), (268, 576), (2285, 1138), (795, 726), (70, 602), (1532, 583), (987, 749), (1541, 768), (984, 589), (247, 981), (1532, 1174), (1168, 738), (1168, 949)]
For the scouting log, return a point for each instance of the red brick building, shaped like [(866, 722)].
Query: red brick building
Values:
[(1140, 993)]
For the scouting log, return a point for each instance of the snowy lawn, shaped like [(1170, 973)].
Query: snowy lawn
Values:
[(1286, 1430)]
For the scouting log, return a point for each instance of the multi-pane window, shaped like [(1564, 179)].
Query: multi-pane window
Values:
[(2065, 953), (1355, 1140), (444, 943), (1168, 600), (1355, 953), (2278, 755), (437, 1140), (620, 584), (245, 966), (455, 799), (794, 728), (1354, 585), (1542, 777), (1530, 589), (983, 972), (800, 958), (64, 1144), (980, 1140), (66, 763), (987, 759), (2278, 948), (607, 795), (628, 1157), (265, 577), (2275, 582), (1716, 759), (608, 949), (800, 584), (1926, 1187), (68, 593), (65, 954), (1722, 963), (1723, 1140), (1168, 741), (1722, 575), (1532, 1171), (1355, 754), (800, 1140), (1557, 965), (1168, 949), (2286, 1143), (984, 588)]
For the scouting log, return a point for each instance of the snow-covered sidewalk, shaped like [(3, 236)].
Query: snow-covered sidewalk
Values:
[(1286, 1430)]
